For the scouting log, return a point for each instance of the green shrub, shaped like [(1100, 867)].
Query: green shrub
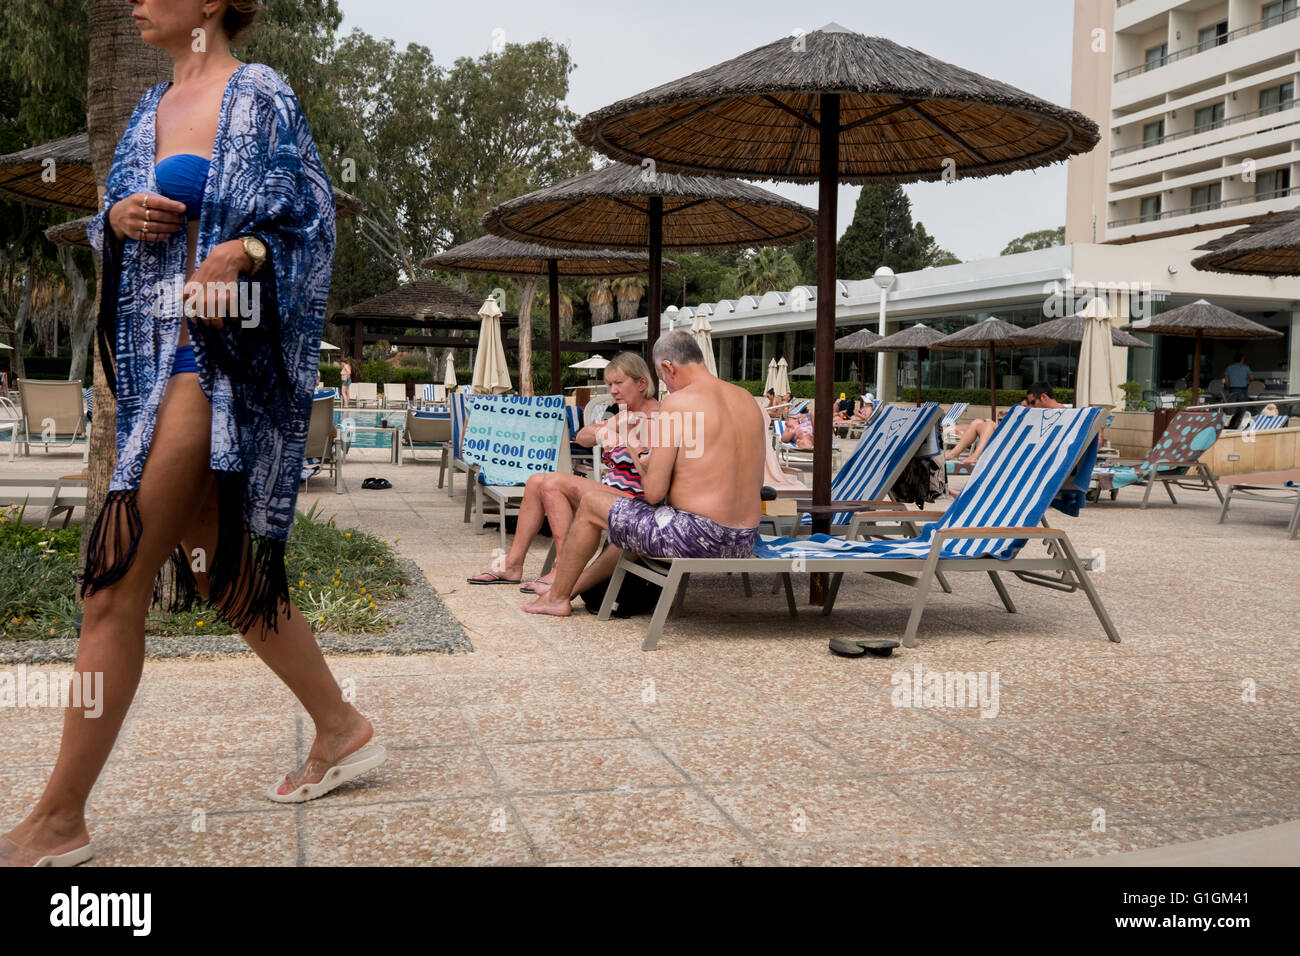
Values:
[(47, 367), (331, 376), (420, 374), (378, 372)]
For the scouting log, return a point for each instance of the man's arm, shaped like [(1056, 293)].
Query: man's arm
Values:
[(654, 448)]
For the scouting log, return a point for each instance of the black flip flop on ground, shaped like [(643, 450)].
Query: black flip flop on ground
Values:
[(376, 484), (856, 647)]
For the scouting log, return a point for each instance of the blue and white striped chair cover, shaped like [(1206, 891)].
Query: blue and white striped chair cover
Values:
[(457, 421), (574, 415), (1032, 455), (798, 408), (429, 394), (955, 413), (89, 396), (888, 441), (1268, 423)]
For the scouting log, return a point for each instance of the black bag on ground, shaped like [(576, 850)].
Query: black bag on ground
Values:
[(636, 596)]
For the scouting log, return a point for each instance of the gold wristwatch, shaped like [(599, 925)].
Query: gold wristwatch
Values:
[(256, 250)]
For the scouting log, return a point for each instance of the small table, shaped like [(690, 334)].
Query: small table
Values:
[(1269, 487), (394, 430)]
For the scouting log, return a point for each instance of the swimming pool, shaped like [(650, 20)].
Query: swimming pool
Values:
[(345, 419)]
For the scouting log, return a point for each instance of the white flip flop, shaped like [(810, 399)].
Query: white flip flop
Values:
[(354, 765), (72, 858)]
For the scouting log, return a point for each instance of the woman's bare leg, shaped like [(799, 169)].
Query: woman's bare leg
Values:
[(968, 437), (292, 653), (531, 513), (112, 629)]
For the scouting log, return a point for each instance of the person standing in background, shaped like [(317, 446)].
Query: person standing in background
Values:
[(1237, 379)]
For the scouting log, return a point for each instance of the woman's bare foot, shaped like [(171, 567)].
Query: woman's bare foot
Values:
[(329, 747), (545, 604), (38, 837)]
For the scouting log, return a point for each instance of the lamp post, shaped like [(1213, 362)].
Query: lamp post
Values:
[(885, 279)]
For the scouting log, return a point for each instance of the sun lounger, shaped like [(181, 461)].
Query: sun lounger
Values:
[(507, 498), (428, 431), (364, 394), (1280, 487), (394, 395), (1268, 423), (59, 495), (11, 421), (321, 450), (1174, 459), (53, 413), (1036, 459)]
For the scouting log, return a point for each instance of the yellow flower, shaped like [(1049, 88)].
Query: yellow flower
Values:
[(198, 623), (347, 534)]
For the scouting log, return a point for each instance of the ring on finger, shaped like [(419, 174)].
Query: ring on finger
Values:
[(144, 201)]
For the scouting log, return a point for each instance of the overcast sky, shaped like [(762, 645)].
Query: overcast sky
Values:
[(626, 47)]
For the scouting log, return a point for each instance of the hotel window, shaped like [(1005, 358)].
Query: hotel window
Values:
[(1209, 117), (1212, 36), (1273, 184), (1276, 98), (1153, 133), (1274, 13), (1206, 197), (1150, 208), (1156, 56)]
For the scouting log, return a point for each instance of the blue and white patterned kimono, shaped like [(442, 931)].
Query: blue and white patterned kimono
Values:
[(266, 180)]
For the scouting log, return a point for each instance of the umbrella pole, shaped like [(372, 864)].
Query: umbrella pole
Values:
[(993, 381), (862, 373), (828, 181), (920, 354), (553, 287), (1196, 367), (655, 304)]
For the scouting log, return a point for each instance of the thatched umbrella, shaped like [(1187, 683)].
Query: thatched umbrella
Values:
[(832, 106), (1203, 320), (858, 342), (1270, 247), (988, 334), (73, 232), (510, 257), (55, 174), (916, 339), (633, 207), (1069, 330)]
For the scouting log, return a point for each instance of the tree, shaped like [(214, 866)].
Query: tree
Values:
[(765, 269), (600, 296), (629, 291), (882, 234), (1042, 239)]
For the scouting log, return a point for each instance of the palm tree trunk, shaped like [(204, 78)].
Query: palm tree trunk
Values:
[(121, 68), (527, 288)]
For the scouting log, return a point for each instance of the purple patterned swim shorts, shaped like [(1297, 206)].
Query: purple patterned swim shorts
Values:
[(665, 532)]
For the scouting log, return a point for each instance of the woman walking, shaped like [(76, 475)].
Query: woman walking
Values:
[(216, 181), (345, 380)]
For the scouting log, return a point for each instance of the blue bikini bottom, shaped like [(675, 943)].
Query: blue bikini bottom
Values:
[(184, 361)]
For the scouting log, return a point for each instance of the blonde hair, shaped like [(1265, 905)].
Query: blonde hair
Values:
[(239, 16), (635, 368)]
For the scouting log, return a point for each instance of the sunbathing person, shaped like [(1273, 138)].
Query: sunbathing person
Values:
[(978, 432), (799, 430), (868, 407), (556, 496), (703, 464)]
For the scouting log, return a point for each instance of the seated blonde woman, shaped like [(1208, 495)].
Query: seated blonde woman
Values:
[(555, 496)]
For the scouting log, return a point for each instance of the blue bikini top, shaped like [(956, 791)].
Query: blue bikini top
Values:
[(182, 178)]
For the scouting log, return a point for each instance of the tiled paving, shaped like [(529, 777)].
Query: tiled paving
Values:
[(742, 740)]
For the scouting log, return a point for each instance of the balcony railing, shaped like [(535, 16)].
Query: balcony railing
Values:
[(1204, 207), (1263, 111), (1157, 62)]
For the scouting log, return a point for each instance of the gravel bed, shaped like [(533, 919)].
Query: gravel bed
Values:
[(424, 625)]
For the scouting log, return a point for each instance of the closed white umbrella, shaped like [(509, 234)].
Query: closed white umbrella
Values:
[(782, 385), (449, 376), (700, 329), (1095, 379), (770, 384), (491, 375)]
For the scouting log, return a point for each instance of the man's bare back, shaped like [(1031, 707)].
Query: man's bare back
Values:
[(719, 468)]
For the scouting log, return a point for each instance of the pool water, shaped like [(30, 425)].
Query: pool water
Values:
[(369, 418)]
